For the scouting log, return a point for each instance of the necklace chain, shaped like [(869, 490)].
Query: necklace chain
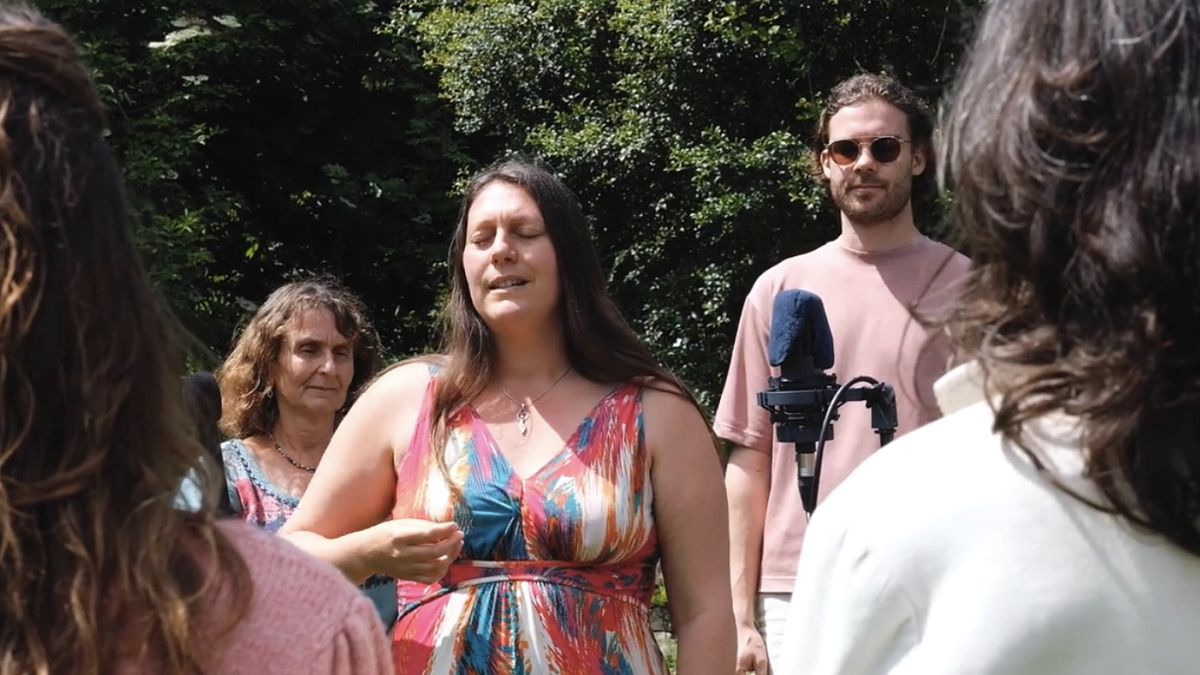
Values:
[(523, 410), (293, 462)]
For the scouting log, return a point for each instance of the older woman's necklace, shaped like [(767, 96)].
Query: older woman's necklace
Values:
[(298, 465), (523, 409)]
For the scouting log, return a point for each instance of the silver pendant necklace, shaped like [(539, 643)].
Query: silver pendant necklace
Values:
[(523, 409)]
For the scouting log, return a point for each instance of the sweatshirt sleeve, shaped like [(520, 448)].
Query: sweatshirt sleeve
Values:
[(848, 615), (359, 645)]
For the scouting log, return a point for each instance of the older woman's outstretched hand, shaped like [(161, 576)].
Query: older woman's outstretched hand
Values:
[(416, 550)]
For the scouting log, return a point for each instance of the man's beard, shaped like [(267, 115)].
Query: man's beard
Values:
[(878, 210)]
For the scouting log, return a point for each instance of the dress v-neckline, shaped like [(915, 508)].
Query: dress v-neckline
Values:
[(568, 447)]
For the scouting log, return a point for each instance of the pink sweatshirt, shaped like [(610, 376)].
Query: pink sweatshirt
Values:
[(304, 617), (867, 297)]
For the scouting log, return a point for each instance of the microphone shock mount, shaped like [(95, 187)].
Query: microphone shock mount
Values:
[(803, 412)]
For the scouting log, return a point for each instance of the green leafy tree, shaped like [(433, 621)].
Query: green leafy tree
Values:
[(273, 139), (682, 124), (268, 139)]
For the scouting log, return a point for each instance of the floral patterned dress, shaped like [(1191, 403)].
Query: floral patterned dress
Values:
[(257, 500), (557, 570)]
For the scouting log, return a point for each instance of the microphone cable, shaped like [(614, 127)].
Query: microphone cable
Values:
[(834, 404)]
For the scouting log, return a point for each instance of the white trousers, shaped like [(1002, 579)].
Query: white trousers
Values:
[(771, 615)]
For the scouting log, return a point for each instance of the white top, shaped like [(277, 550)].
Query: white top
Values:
[(946, 552)]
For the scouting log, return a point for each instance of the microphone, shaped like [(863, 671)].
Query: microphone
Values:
[(800, 342), (804, 399), (801, 346)]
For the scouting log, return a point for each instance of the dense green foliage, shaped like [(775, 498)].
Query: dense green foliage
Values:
[(269, 138)]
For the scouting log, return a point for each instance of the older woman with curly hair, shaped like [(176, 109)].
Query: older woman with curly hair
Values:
[(102, 573), (291, 374)]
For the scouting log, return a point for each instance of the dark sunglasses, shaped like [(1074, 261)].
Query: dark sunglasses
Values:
[(884, 149)]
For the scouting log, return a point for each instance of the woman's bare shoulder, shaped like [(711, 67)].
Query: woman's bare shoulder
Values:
[(405, 380)]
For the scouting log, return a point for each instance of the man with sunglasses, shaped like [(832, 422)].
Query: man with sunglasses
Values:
[(875, 156)]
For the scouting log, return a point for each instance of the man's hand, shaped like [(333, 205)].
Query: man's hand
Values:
[(751, 652)]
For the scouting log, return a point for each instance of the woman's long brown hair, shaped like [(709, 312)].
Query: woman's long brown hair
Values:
[(97, 564), (1074, 147), (600, 345)]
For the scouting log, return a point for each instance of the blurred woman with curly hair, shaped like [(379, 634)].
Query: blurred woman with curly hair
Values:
[(101, 572)]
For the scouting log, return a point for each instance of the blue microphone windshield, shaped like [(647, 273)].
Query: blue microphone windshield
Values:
[(799, 327)]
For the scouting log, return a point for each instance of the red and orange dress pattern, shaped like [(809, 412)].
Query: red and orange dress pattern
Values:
[(557, 569)]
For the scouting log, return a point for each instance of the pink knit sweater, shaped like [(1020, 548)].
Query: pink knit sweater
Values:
[(304, 617)]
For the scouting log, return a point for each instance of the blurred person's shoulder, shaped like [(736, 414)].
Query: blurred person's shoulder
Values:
[(303, 614)]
